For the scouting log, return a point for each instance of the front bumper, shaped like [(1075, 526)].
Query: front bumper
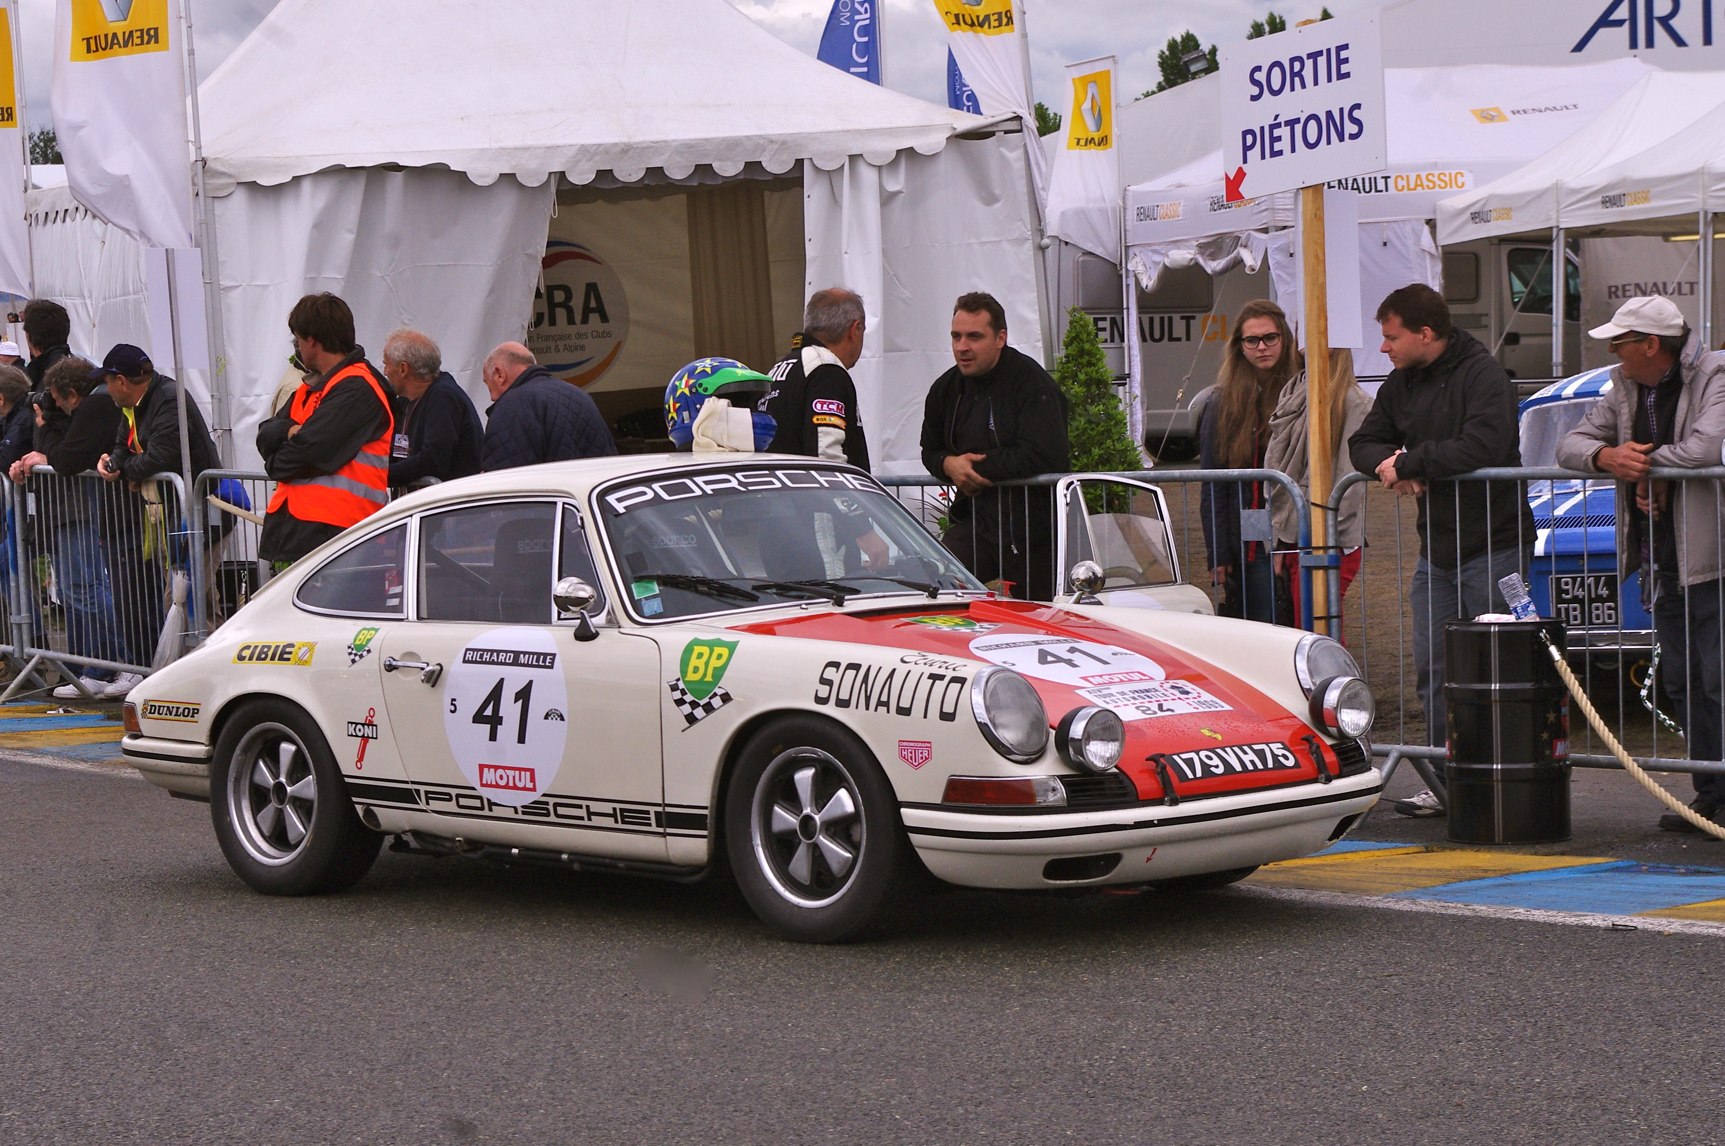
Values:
[(181, 766), (1140, 844)]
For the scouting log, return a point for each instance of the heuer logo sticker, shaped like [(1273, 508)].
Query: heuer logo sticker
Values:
[(295, 653), (955, 624), (828, 406), (360, 647), (916, 753), (175, 710), (697, 692)]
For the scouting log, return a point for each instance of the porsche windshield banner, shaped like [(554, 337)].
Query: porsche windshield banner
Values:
[(119, 108)]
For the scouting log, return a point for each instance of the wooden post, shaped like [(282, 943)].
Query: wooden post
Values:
[(1321, 448)]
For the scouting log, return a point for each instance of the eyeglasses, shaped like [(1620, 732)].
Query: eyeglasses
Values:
[(1256, 340), (1627, 340)]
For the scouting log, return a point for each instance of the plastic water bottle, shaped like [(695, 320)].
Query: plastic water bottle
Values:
[(1514, 591)]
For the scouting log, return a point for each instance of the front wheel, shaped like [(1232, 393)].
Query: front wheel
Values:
[(280, 808), (812, 833)]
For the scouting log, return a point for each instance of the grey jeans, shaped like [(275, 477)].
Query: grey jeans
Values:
[(1438, 595)]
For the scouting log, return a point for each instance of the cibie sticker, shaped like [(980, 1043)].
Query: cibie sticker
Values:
[(1066, 661), (1155, 698), (503, 714)]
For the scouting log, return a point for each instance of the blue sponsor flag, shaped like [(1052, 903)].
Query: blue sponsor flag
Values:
[(851, 42), (959, 97)]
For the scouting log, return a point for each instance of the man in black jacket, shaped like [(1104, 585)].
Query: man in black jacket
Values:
[(437, 432), (996, 416), (535, 416), (813, 400), (1447, 408), (47, 326)]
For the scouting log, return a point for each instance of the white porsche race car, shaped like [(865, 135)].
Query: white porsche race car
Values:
[(661, 664)]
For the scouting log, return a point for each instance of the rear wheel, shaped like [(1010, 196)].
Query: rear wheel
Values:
[(812, 833), (280, 808)]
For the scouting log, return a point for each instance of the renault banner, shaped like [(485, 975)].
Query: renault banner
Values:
[(984, 37), (1084, 192), (14, 243), (119, 107)]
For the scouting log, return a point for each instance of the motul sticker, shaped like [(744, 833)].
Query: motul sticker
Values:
[(502, 778), (916, 753)]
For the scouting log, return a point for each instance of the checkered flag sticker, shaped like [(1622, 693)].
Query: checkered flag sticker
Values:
[(694, 711)]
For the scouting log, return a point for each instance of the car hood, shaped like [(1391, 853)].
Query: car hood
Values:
[(1184, 715)]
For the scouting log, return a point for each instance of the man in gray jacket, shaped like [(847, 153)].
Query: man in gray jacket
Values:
[(1666, 409)]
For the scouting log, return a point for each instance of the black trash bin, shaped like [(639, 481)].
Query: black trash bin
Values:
[(1507, 767)]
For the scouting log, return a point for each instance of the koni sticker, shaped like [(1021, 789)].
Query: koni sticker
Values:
[(497, 710), (364, 731), (697, 692), (179, 711), (297, 654), (1155, 698), (1081, 664), (360, 647)]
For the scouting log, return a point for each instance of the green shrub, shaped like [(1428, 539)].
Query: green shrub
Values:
[(1096, 421)]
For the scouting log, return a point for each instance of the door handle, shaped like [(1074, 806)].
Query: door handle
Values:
[(428, 673)]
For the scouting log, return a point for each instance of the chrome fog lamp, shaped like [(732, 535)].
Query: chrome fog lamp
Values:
[(1318, 658), (1091, 739), (1344, 706), (1010, 714)]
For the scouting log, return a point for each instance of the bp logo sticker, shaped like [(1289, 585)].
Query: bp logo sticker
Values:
[(697, 692), (360, 647)]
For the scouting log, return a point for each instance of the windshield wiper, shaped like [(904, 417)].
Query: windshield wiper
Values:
[(826, 590), (695, 583), (923, 587)]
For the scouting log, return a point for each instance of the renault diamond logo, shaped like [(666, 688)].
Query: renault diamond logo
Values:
[(117, 11), (1092, 108)]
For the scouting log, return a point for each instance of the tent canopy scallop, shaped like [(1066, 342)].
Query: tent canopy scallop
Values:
[(531, 87)]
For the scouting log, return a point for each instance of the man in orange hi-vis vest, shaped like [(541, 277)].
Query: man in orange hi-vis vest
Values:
[(328, 449)]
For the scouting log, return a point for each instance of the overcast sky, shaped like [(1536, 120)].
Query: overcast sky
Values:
[(1061, 32)]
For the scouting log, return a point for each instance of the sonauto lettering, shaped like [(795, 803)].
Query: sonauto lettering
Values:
[(894, 689)]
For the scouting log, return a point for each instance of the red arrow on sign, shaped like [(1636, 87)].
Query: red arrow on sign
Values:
[(1231, 188)]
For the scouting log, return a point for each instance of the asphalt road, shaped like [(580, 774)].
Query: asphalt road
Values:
[(146, 996)]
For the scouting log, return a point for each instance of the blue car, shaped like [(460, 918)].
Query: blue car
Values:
[(1574, 574)]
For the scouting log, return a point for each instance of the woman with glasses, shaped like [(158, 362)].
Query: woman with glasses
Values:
[(1233, 433)]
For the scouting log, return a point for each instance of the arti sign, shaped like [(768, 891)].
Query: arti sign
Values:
[(1303, 107)]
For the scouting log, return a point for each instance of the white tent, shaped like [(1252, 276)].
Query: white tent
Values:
[(1449, 129), (1657, 153), (412, 156)]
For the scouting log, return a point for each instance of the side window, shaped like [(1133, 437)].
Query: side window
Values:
[(575, 558), (488, 563), (1530, 279), (363, 580)]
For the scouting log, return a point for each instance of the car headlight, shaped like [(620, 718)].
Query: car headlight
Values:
[(1091, 739), (1009, 713), (1318, 658), (1344, 706)]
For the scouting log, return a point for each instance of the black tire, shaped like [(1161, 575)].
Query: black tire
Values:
[(1208, 881), (813, 834), (280, 807)]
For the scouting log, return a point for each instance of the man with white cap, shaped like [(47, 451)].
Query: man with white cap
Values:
[(10, 354), (1666, 409)]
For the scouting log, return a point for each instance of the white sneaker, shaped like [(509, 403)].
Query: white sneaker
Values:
[(1420, 804), (73, 692), (120, 686)]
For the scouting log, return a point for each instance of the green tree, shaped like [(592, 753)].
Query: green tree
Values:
[(44, 146), (1047, 122), (1172, 60), (1095, 422), (1268, 26)]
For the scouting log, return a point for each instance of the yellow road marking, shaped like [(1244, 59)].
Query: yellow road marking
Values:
[(1381, 872), (1712, 911)]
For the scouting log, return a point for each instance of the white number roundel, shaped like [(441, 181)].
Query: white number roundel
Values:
[(1064, 660), (506, 714)]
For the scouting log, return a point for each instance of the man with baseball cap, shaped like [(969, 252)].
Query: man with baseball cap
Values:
[(1666, 409)]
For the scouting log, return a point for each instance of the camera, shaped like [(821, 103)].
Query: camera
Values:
[(13, 317), (39, 398)]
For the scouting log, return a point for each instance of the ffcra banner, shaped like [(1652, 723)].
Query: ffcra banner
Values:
[(119, 106), (1084, 191)]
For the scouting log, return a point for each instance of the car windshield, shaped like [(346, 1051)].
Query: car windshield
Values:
[(710, 541)]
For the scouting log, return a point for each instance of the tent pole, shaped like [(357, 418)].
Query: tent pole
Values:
[(1705, 261), (221, 424), (1129, 342), (1558, 265)]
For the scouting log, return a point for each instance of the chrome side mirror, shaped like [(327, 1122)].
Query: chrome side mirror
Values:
[(573, 597), (1086, 577)]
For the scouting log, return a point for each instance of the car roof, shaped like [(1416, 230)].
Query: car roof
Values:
[(1587, 385)]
